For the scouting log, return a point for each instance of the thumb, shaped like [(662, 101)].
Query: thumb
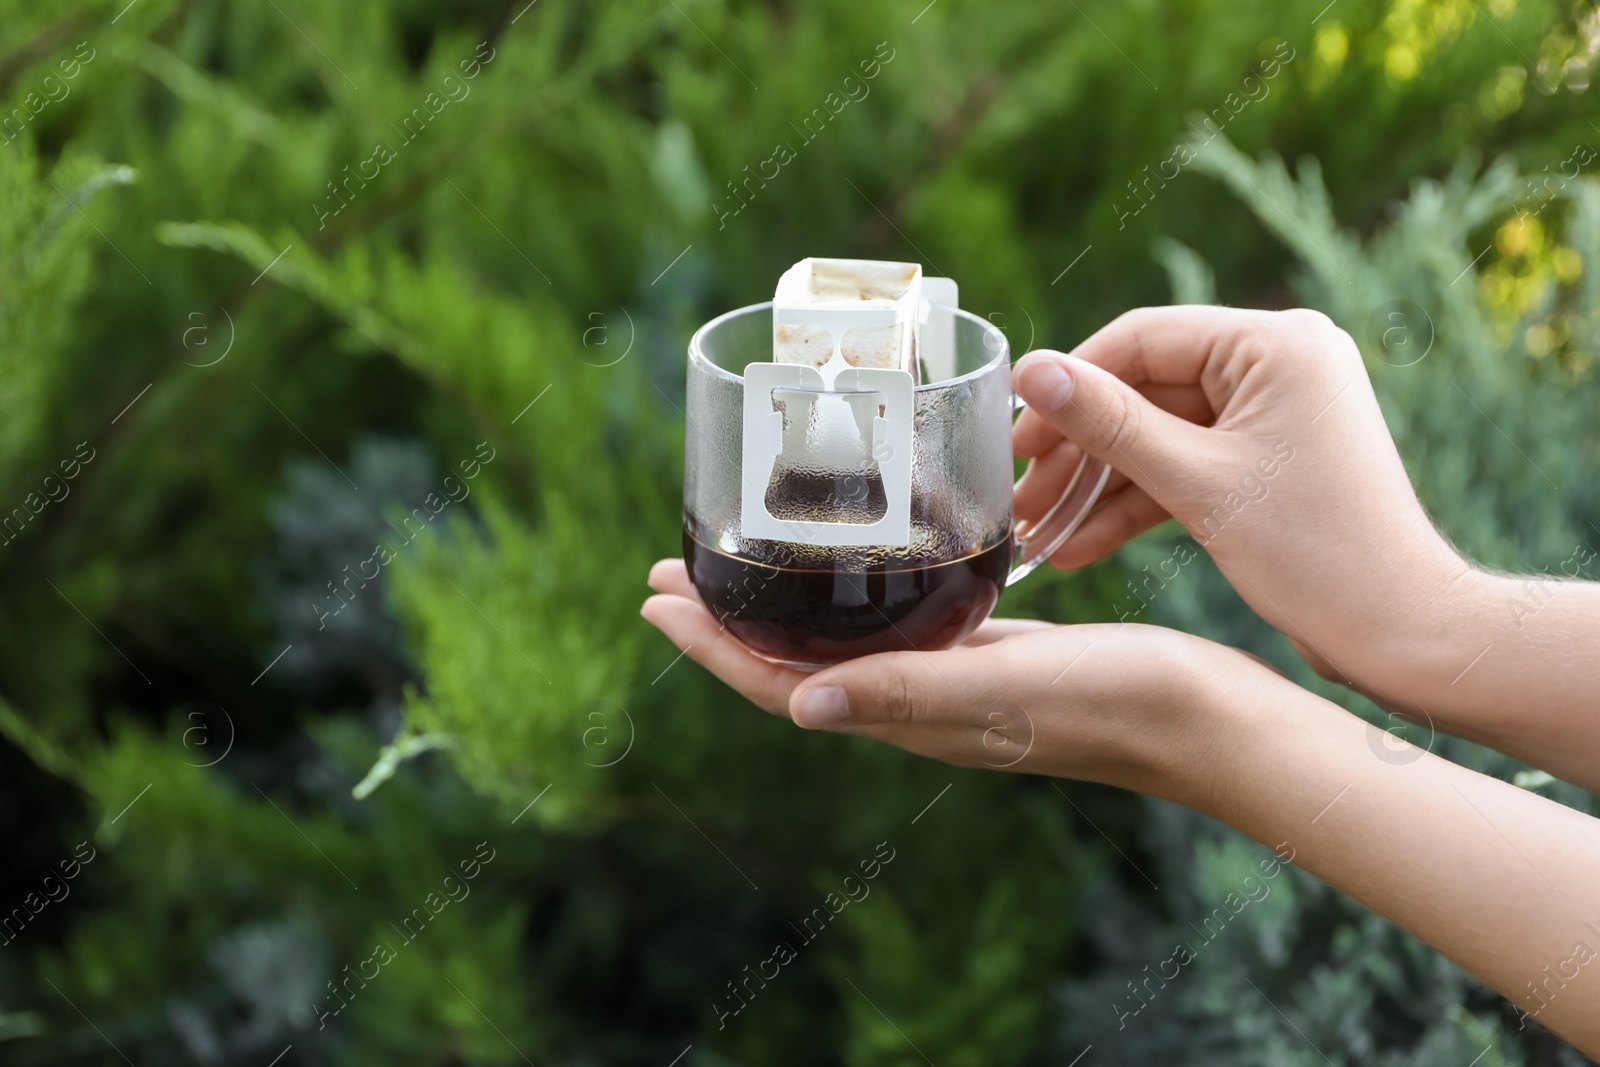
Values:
[(890, 687), (1109, 419)]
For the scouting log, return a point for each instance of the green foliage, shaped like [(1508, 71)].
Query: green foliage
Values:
[(280, 361)]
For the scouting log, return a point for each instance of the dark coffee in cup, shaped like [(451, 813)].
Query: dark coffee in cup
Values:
[(816, 607)]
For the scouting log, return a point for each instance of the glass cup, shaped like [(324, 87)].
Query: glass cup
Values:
[(807, 605)]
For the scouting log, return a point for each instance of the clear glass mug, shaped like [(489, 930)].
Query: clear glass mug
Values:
[(806, 605)]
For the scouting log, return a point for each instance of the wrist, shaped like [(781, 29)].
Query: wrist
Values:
[(1248, 723), (1420, 658), (1206, 705)]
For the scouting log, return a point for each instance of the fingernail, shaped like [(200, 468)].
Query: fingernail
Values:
[(1045, 384), (825, 705)]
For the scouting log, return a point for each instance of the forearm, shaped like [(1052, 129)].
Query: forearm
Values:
[(1512, 663), (1500, 880)]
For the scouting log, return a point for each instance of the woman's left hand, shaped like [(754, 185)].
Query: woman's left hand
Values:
[(1129, 705), (1181, 718)]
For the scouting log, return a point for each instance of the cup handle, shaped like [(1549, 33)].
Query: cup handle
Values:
[(1034, 543)]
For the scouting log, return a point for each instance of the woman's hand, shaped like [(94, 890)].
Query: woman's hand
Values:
[(1260, 433), (1181, 718), (1135, 706)]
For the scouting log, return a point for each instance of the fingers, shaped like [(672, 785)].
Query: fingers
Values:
[(1108, 419), (915, 688), (1183, 345), (1188, 402), (1047, 477), (1119, 519), (678, 613), (1124, 512), (691, 627), (1034, 435), (672, 577), (1056, 459), (1184, 362)]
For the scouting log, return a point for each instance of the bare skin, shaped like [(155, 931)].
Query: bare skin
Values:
[(1259, 432), (1333, 549)]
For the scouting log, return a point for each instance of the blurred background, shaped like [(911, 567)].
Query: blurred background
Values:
[(341, 418)]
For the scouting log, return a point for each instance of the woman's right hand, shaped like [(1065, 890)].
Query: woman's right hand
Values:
[(1260, 433)]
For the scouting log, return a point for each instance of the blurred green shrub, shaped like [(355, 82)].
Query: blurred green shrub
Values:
[(267, 387)]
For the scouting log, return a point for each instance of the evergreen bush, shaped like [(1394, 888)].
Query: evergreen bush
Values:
[(281, 284)]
